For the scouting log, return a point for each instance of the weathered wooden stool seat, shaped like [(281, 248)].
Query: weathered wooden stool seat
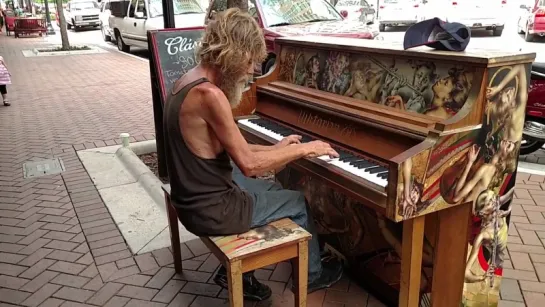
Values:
[(278, 241)]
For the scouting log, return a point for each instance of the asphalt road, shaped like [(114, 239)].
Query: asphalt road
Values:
[(510, 39)]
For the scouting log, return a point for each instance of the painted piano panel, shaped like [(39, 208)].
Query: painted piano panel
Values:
[(425, 87)]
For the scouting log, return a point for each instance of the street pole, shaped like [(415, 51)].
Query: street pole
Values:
[(168, 14), (50, 29), (168, 21)]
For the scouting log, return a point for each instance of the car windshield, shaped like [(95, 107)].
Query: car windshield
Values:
[(83, 5), (180, 7), (288, 12)]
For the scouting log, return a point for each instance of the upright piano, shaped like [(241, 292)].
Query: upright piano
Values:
[(418, 201)]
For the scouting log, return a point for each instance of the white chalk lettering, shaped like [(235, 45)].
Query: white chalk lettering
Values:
[(179, 44)]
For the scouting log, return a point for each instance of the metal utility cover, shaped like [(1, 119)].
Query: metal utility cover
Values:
[(43, 168)]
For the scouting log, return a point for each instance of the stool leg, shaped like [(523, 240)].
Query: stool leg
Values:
[(174, 235), (300, 276), (234, 277)]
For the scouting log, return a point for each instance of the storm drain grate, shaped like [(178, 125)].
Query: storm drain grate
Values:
[(43, 168)]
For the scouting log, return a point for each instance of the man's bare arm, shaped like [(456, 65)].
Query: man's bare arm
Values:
[(255, 148), (288, 140), (219, 116)]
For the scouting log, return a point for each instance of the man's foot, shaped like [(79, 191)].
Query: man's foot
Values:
[(251, 288), (7, 104), (332, 272)]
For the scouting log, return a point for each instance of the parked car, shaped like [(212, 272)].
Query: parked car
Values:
[(81, 14), (103, 16), (295, 18), (532, 20), (356, 10), (485, 15), (131, 25), (394, 13)]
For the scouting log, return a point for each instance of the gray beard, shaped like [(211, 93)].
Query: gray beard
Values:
[(233, 89)]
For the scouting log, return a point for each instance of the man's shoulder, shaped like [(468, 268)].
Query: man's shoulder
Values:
[(211, 94)]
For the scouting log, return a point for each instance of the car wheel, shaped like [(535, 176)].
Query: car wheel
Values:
[(268, 65), (519, 28), (105, 37), (121, 46), (498, 31), (382, 27), (527, 146), (527, 36)]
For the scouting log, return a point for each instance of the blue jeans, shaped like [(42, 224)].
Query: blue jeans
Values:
[(272, 202)]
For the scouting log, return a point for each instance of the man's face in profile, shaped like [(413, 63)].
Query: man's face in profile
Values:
[(233, 86)]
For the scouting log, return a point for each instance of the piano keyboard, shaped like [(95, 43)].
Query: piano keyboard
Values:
[(348, 162)]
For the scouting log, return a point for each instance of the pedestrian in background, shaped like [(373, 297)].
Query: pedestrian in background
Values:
[(2, 18), (5, 79)]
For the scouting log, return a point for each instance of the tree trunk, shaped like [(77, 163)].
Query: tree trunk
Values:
[(62, 23), (241, 4)]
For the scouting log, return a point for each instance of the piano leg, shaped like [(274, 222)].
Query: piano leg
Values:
[(411, 262), (450, 256)]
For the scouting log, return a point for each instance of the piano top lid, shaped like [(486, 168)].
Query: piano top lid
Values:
[(470, 55)]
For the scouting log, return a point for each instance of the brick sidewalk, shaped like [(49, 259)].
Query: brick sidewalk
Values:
[(59, 245), (535, 157)]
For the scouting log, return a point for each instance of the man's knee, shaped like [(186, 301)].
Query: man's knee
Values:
[(298, 204)]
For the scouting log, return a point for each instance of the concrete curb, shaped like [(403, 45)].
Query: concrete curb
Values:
[(141, 173), (145, 147)]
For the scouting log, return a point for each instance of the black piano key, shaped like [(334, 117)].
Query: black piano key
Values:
[(258, 121), (306, 139), (369, 169), (343, 154), (287, 132), (362, 164), (351, 159), (383, 175), (377, 170)]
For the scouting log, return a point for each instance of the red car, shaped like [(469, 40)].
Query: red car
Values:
[(532, 20), (298, 17)]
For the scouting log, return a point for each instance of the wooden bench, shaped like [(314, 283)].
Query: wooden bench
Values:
[(278, 241), (27, 26)]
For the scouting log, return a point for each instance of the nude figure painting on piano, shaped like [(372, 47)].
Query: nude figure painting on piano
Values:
[(479, 170), (414, 85)]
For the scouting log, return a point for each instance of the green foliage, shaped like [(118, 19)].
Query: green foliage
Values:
[(72, 48)]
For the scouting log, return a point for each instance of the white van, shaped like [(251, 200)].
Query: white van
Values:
[(393, 13), (131, 26), (81, 14), (482, 14)]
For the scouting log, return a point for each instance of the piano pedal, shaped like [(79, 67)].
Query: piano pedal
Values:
[(425, 300)]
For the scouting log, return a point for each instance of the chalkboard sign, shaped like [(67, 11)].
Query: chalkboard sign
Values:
[(173, 54)]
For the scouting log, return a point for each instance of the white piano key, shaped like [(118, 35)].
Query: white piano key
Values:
[(359, 172), (326, 158), (258, 128)]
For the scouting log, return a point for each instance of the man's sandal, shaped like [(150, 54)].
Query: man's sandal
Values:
[(7, 104)]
